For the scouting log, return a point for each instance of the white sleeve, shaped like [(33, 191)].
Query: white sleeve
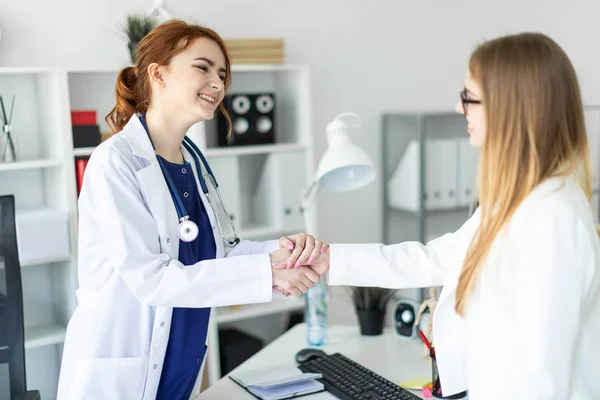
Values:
[(403, 265), (551, 269), (118, 227), (247, 247)]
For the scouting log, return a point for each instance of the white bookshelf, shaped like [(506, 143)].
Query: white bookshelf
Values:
[(83, 151), (224, 152), (278, 305), (44, 335), (256, 149), (42, 182), (30, 164), (267, 231)]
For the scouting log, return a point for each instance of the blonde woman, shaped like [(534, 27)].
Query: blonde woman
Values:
[(519, 314)]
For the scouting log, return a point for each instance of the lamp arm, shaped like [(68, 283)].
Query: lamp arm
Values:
[(309, 194)]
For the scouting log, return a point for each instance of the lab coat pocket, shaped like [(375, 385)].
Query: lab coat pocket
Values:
[(110, 378)]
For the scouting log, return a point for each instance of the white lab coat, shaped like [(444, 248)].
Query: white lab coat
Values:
[(532, 326), (130, 278)]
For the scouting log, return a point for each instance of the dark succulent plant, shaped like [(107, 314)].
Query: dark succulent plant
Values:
[(136, 27), (371, 298)]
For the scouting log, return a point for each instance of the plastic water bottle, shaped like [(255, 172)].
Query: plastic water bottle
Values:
[(316, 314)]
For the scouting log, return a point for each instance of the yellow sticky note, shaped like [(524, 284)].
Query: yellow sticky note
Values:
[(416, 383)]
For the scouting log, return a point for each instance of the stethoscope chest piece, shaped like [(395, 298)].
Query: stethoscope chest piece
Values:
[(187, 231)]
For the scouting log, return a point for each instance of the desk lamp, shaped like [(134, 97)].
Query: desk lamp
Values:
[(344, 166)]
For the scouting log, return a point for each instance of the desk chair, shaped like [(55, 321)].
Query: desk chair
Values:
[(12, 331)]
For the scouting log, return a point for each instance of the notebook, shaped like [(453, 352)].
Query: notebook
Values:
[(278, 383)]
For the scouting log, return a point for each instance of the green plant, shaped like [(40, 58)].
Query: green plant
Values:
[(136, 27), (371, 298)]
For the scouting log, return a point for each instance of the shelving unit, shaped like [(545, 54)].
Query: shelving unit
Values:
[(256, 149), (278, 305), (83, 151), (42, 183), (592, 126), (43, 261), (30, 164), (43, 133), (267, 231), (429, 174), (45, 335)]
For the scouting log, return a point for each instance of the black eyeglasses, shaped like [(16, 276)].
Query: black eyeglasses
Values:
[(466, 101)]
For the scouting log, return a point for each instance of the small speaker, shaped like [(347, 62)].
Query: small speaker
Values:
[(404, 316), (252, 119)]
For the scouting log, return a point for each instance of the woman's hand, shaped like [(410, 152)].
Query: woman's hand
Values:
[(319, 266), (294, 281), (305, 249)]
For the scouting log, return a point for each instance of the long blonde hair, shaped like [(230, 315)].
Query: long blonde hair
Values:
[(535, 130)]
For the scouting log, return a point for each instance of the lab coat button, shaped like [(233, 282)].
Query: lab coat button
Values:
[(155, 366), (168, 240), (162, 324)]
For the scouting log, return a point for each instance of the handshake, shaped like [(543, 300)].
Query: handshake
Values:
[(299, 263)]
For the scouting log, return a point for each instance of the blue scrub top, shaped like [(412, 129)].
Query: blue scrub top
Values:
[(189, 326)]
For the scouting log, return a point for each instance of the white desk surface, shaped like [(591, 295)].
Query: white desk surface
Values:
[(388, 355)]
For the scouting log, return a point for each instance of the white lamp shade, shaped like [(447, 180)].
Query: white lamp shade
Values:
[(344, 166)]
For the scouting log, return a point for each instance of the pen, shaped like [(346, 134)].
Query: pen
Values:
[(424, 339)]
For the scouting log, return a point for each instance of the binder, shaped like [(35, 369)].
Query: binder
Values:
[(278, 383), (197, 133), (278, 198), (227, 173), (440, 173), (468, 159), (404, 185)]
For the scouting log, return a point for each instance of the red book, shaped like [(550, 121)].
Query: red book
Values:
[(83, 117), (80, 165)]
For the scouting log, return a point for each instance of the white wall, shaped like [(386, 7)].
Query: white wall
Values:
[(366, 56)]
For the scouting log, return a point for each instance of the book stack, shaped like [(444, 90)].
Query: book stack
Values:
[(86, 133), (255, 51)]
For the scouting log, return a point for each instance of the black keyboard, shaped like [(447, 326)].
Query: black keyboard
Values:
[(348, 380)]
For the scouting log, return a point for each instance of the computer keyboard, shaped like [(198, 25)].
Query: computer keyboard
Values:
[(349, 380)]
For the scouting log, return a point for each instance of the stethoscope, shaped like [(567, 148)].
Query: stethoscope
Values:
[(187, 230)]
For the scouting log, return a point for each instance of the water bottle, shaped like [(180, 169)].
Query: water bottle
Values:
[(316, 314)]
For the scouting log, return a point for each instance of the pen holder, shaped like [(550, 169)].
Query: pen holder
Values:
[(435, 379)]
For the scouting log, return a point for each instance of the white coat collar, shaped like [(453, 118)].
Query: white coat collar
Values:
[(157, 193), (138, 139)]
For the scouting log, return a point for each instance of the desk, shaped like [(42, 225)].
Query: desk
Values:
[(388, 355)]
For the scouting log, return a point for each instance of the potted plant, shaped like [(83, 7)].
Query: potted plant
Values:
[(370, 304), (136, 27)]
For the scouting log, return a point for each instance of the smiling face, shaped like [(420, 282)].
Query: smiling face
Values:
[(470, 106), (193, 82)]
